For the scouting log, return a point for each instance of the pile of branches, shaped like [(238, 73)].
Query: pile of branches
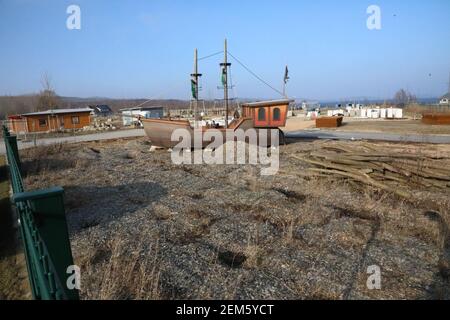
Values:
[(390, 168)]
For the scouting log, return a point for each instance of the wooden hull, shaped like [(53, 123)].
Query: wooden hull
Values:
[(160, 131)]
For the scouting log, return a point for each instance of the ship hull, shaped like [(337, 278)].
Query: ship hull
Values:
[(159, 131)]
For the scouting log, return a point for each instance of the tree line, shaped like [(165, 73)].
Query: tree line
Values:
[(47, 99)]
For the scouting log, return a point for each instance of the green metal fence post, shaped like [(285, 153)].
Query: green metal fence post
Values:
[(31, 271), (48, 211), (5, 131), (44, 233), (12, 140)]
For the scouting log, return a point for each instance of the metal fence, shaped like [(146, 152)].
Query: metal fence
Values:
[(43, 229)]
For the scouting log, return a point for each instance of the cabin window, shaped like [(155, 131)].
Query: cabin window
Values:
[(261, 114), (42, 122), (76, 120), (276, 114)]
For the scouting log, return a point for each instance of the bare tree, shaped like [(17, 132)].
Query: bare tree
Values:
[(13, 105), (47, 96), (403, 98)]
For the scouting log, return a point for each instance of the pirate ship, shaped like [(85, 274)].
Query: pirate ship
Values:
[(257, 115)]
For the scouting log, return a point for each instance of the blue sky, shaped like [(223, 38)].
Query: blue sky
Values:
[(144, 49)]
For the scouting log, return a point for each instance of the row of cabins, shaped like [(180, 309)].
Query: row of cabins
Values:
[(75, 119)]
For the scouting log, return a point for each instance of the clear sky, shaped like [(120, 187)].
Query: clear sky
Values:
[(144, 49)]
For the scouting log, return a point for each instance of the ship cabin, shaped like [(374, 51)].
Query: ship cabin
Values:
[(267, 114)]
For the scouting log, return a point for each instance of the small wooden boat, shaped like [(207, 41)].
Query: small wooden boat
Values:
[(258, 115)]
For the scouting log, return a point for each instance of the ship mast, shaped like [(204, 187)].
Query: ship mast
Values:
[(225, 66), (194, 83)]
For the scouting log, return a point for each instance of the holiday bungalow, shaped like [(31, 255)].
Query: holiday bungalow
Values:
[(50, 120)]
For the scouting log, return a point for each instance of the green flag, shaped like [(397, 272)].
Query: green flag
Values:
[(194, 88), (286, 75), (224, 75)]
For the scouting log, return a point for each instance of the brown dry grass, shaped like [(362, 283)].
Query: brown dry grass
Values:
[(118, 271), (227, 233)]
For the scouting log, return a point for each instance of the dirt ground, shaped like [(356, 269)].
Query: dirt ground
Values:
[(392, 126), (297, 123), (144, 228), (361, 125), (13, 273)]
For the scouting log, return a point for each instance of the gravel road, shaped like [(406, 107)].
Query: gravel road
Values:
[(82, 138), (304, 134), (394, 137)]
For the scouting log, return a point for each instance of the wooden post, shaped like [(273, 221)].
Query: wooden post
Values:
[(226, 84), (196, 76), (225, 66)]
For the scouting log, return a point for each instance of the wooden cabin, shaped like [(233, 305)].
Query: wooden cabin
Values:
[(17, 124), (267, 114), (56, 120)]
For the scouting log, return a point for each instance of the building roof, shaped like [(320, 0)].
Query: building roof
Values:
[(268, 103), (142, 108), (15, 117), (446, 96), (101, 108), (58, 111)]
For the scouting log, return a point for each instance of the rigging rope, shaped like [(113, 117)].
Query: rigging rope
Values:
[(156, 97), (211, 55), (255, 75), (231, 81)]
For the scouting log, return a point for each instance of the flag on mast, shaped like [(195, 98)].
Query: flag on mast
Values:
[(286, 75), (194, 87), (224, 75)]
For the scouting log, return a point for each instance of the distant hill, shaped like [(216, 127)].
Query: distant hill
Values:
[(376, 101), (117, 104), (27, 103)]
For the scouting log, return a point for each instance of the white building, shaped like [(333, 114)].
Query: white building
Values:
[(130, 116), (381, 113), (445, 99)]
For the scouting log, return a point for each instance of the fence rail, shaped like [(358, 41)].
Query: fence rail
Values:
[(43, 229)]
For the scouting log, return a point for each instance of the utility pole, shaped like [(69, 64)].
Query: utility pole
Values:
[(225, 66), (195, 76)]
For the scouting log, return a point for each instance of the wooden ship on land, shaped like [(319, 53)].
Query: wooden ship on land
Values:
[(258, 115)]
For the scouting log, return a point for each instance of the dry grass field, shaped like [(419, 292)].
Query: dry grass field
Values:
[(377, 125), (393, 126), (143, 228)]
